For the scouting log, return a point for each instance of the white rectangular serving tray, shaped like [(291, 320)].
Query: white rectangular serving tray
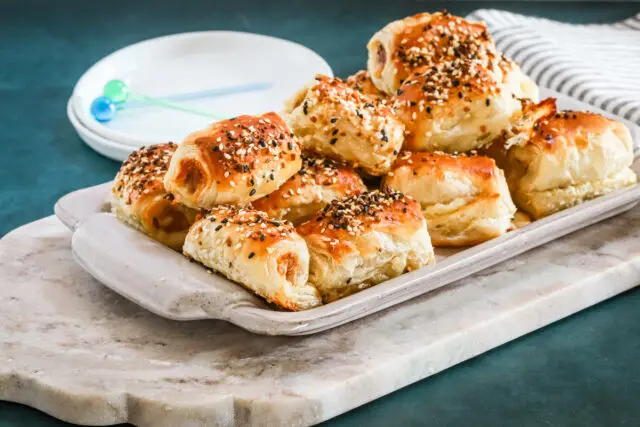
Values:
[(166, 283)]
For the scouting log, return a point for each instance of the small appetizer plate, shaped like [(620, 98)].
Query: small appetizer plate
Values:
[(192, 63), (107, 148)]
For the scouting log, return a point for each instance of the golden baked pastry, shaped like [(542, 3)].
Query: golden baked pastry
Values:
[(455, 106), (262, 254), (233, 161), (335, 121), (517, 83), (361, 82), (138, 196), (465, 199), (363, 240), (556, 159), (520, 219), (425, 40), (320, 181)]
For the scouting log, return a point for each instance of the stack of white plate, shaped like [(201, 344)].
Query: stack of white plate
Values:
[(204, 66)]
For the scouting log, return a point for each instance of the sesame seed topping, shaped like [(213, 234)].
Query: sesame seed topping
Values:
[(428, 39), (143, 171), (351, 214), (240, 145), (249, 223)]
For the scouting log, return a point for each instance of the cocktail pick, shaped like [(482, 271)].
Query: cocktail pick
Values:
[(207, 93), (116, 93)]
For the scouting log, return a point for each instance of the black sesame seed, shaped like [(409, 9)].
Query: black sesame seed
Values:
[(333, 141), (333, 119), (218, 228), (252, 182), (216, 148), (348, 280), (272, 177), (395, 152), (251, 255), (262, 237), (487, 102), (305, 108), (252, 192), (262, 144), (290, 146), (335, 132), (460, 95), (399, 92), (245, 168), (428, 110)]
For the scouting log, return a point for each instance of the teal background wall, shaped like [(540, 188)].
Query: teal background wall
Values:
[(582, 371)]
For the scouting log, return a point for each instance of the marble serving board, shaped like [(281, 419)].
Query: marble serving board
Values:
[(82, 353)]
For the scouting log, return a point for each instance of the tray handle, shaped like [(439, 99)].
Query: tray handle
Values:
[(73, 208)]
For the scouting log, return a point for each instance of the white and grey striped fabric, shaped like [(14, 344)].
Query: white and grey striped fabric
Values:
[(598, 63)]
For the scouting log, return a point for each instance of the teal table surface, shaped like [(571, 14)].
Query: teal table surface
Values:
[(583, 371)]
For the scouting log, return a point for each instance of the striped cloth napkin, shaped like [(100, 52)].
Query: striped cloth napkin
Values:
[(598, 63)]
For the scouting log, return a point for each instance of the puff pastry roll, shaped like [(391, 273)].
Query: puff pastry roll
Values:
[(517, 83), (233, 161), (333, 120), (320, 181), (361, 82), (138, 196), (554, 160), (465, 200), (454, 106), (426, 40), (262, 254), (363, 240)]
